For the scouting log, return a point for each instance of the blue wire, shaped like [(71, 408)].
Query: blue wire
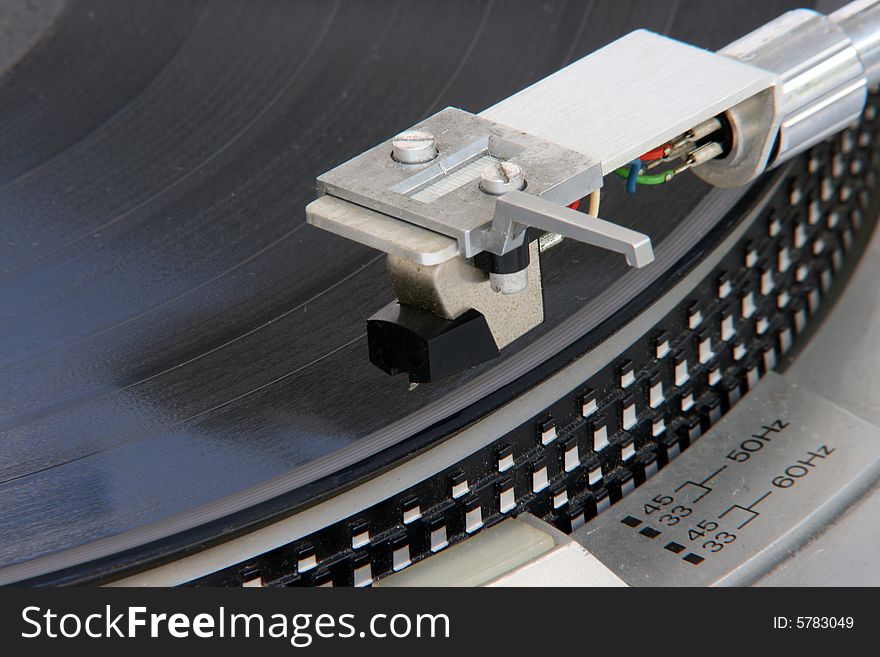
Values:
[(632, 180)]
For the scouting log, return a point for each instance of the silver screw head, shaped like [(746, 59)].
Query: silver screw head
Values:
[(413, 147), (502, 177)]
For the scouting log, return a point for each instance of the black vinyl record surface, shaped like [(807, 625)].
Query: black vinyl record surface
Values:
[(173, 336)]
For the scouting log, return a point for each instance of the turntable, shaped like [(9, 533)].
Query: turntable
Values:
[(586, 294)]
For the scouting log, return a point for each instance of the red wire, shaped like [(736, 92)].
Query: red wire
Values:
[(654, 154)]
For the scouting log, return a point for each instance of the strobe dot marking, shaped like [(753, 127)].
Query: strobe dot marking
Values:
[(650, 532), (630, 521)]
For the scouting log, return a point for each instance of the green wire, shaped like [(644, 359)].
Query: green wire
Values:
[(648, 179)]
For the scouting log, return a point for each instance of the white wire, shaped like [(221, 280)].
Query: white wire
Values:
[(595, 199)]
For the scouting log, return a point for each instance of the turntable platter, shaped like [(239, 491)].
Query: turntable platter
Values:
[(177, 346)]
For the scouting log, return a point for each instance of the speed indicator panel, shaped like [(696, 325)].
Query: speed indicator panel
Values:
[(771, 474)]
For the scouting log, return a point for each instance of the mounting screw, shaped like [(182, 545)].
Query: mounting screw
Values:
[(413, 147), (502, 177)]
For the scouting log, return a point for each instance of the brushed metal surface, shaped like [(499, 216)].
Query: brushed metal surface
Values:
[(770, 475), (631, 96), (375, 180), (822, 78), (860, 20), (842, 363), (379, 231)]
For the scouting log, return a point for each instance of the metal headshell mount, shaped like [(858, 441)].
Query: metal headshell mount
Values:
[(453, 213)]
